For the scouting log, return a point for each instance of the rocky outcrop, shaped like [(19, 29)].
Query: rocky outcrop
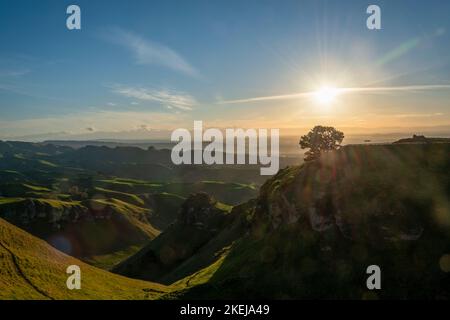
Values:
[(81, 229), (377, 198), (28, 211), (198, 209)]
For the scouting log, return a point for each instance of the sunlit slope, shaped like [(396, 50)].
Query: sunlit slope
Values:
[(32, 269), (316, 228), (232, 193)]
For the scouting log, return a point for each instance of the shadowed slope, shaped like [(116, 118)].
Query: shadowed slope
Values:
[(203, 229)]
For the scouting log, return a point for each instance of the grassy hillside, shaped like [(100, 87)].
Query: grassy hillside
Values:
[(31, 269), (226, 192), (126, 197), (316, 228)]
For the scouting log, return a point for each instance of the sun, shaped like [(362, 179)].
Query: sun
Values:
[(326, 94)]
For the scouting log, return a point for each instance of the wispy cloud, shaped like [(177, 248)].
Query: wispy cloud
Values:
[(14, 73), (168, 98), (147, 52), (410, 88), (419, 115), (89, 124)]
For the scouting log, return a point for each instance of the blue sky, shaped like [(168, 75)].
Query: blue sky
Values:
[(137, 67)]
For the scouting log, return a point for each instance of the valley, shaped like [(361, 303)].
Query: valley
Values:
[(76, 202)]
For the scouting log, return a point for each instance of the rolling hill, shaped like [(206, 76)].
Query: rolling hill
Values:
[(32, 269)]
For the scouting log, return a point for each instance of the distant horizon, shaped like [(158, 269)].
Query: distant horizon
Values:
[(163, 136), (287, 140)]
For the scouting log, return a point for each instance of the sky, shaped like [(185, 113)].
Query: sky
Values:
[(140, 69)]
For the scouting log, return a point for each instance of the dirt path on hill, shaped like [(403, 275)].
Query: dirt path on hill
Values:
[(21, 273)]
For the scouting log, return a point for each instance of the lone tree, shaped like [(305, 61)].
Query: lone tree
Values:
[(321, 139)]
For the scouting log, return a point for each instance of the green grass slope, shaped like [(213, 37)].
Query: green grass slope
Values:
[(227, 192), (32, 269)]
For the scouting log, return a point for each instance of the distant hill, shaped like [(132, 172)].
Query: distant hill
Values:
[(422, 139), (124, 161), (144, 144)]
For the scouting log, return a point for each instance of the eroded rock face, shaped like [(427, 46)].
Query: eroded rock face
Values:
[(283, 212), (30, 210), (329, 195), (81, 229), (197, 209)]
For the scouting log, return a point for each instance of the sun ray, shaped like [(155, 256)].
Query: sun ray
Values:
[(336, 91)]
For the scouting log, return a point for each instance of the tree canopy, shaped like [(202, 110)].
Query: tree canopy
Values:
[(320, 139)]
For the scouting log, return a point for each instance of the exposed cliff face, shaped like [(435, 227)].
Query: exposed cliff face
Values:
[(362, 193), (27, 211)]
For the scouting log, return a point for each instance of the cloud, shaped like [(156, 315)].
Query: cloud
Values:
[(410, 88), (144, 127), (111, 104), (150, 53), (14, 73), (173, 99), (103, 123), (419, 115)]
